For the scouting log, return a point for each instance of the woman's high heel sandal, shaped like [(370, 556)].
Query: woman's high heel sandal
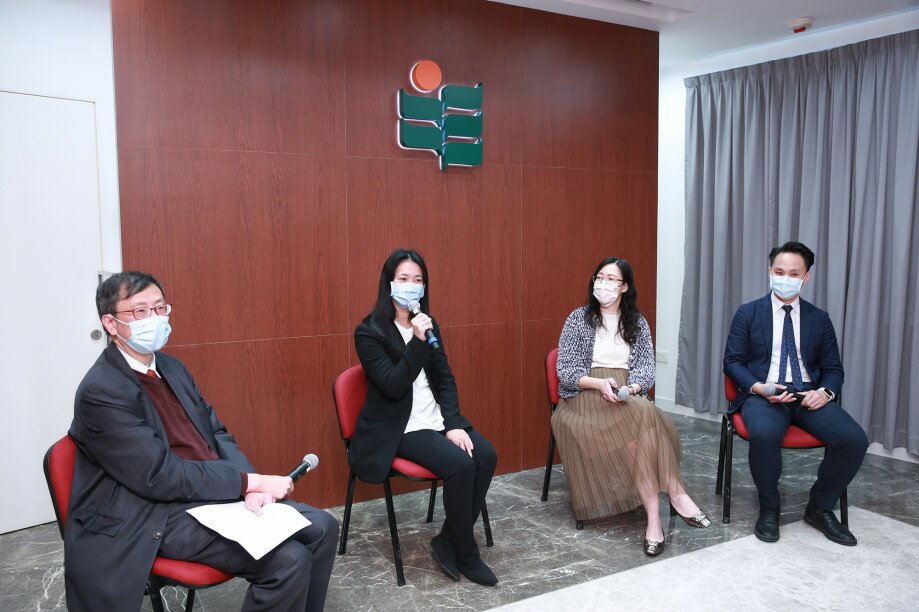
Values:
[(653, 547), (696, 520)]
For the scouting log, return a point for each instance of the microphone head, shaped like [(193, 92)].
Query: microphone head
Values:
[(769, 389), (414, 307), (312, 460), (623, 393)]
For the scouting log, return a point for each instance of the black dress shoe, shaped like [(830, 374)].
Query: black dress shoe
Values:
[(826, 522), (476, 571), (767, 525), (445, 556)]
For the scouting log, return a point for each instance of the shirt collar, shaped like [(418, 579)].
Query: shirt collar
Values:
[(138, 366), (777, 303)]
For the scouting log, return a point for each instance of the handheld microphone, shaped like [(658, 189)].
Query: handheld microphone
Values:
[(310, 462), (623, 394), (414, 307)]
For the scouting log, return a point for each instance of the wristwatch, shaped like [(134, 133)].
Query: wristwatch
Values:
[(829, 394)]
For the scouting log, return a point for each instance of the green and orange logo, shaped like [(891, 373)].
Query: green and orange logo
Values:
[(449, 125)]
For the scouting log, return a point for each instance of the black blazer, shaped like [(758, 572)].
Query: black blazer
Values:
[(126, 478), (748, 350), (390, 372)]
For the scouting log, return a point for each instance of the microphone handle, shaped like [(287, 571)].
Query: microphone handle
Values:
[(299, 471), (432, 339)]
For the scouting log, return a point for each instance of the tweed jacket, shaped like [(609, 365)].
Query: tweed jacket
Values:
[(576, 351)]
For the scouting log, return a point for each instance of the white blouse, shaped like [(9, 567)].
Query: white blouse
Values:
[(425, 410), (610, 350)]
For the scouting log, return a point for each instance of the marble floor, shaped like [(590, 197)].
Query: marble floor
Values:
[(814, 574), (537, 549)]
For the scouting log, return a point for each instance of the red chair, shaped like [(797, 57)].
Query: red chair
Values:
[(731, 425), (59, 465), (349, 391), (552, 392)]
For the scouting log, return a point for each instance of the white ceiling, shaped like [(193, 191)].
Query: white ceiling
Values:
[(691, 30)]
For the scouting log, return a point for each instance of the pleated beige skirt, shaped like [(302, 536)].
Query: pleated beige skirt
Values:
[(614, 454)]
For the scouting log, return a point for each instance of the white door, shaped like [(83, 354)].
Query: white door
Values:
[(50, 256)]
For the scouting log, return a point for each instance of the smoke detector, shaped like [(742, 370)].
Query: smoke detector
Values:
[(800, 24)]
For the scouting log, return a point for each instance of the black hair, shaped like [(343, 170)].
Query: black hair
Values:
[(384, 313), (121, 286), (628, 309), (793, 247)]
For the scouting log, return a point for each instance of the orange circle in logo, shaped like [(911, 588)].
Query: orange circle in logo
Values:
[(426, 76)]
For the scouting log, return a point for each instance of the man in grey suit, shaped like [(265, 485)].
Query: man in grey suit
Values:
[(150, 447)]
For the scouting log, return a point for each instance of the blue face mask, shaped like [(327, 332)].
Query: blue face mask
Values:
[(148, 335), (786, 287), (405, 293)]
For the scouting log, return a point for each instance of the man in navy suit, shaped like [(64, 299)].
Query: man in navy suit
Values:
[(782, 354)]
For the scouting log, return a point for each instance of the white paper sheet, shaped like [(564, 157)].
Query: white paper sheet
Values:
[(259, 535)]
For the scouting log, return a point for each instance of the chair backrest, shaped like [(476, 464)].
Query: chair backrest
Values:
[(730, 390), (349, 391), (59, 463), (552, 377)]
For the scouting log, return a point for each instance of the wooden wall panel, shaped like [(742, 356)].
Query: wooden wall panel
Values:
[(577, 218), (221, 74), (464, 223), (261, 182), (250, 245), (589, 95)]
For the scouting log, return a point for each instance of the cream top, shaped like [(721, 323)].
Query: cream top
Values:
[(610, 350)]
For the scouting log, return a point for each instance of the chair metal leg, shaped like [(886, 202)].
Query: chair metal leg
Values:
[(728, 462), (190, 600), (431, 502), (844, 507), (394, 534), (724, 442), (489, 542), (346, 521), (153, 590), (545, 482)]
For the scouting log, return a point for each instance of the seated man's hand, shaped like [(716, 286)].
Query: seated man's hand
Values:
[(782, 396), (814, 400), (255, 500), (279, 487)]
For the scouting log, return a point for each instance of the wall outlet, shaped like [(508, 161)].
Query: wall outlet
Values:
[(663, 356)]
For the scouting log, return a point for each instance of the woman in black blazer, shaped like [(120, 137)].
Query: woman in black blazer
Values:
[(412, 411)]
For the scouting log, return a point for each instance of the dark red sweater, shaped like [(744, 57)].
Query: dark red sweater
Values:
[(184, 438)]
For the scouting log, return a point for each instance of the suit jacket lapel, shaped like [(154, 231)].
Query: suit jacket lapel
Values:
[(807, 327), (764, 312), (117, 359)]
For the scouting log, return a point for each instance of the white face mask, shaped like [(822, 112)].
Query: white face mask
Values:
[(786, 287), (148, 335), (606, 293), (405, 293)]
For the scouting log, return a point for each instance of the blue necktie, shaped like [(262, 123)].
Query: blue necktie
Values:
[(789, 353)]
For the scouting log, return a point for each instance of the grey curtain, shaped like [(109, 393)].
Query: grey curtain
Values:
[(821, 148)]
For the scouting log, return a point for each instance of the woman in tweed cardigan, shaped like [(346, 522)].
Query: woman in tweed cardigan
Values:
[(618, 449)]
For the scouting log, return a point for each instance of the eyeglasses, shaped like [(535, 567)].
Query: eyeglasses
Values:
[(606, 279), (146, 311)]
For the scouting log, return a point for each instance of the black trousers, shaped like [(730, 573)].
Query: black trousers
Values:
[(845, 441), (293, 576), (466, 480)]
